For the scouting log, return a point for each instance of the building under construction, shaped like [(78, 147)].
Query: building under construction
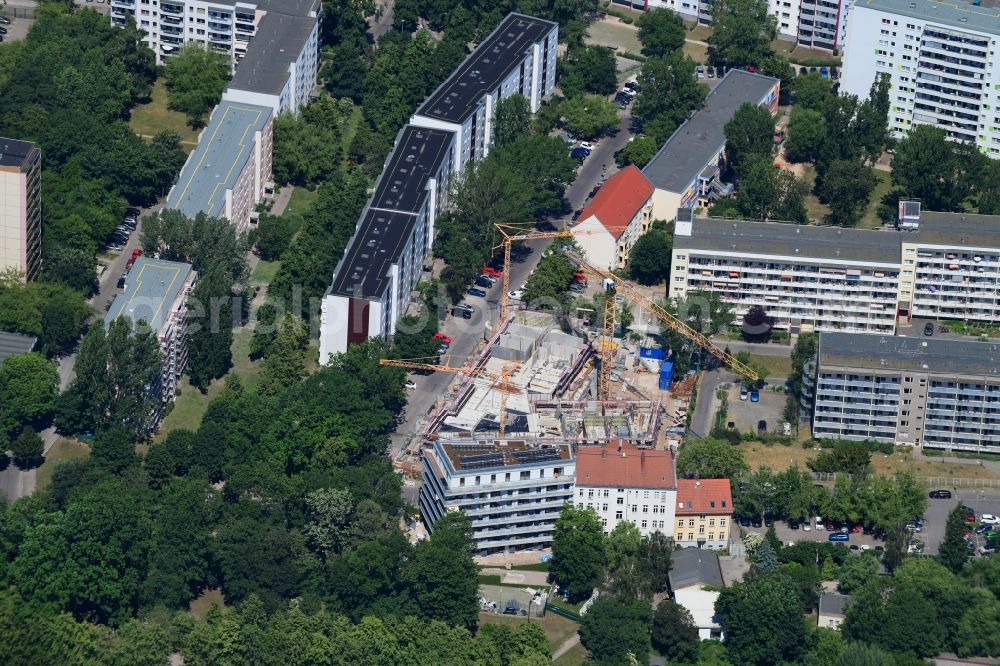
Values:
[(535, 384)]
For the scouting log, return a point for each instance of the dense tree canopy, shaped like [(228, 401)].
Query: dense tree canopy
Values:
[(661, 31), (742, 31), (588, 69), (669, 92), (710, 459), (578, 553), (649, 261), (29, 385), (196, 76), (613, 629), (749, 136)]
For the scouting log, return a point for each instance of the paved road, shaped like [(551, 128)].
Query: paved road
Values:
[(701, 422), (381, 24)]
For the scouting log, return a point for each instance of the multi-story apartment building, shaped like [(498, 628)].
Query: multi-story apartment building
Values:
[(822, 24), (930, 392), (941, 58), (685, 171), (227, 174), (825, 278), (704, 513), (627, 484), (156, 293), (20, 207), (618, 215), (511, 492), (223, 25), (519, 57), (374, 280), (280, 69), (372, 284)]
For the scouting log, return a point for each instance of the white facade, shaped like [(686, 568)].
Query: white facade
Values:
[(649, 510), (942, 63), (20, 207), (512, 506)]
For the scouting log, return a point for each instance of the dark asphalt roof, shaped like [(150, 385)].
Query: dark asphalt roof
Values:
[(921, 354), (12, 344), (376, 246), (702, 136), (694, 566), (277, 44), (388, 220), (418, 154), (485, 68), (294, 7), (794, 240), (13, 152), (963, 229)]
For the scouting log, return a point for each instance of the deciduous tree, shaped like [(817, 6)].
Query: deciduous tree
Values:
[(846, 186), (196, 77), (613, 629), (710, 459), (674, 634), (742, 31), (661, 31), (578, 552), (649, 261), (29, 386), (749, 136), (762, 621)]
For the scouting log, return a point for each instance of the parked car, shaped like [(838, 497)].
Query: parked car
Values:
[(824, 72), (838, 536), (577, 288), (744, 393), (484, 282), (830, 526), (710, 71), (586, 145), (6, 21), (856, 528), (745, 522), (475, 291), (121, 281), (136, 253), (793, 524), (989, 519), (411, 384), (129, 264), (463, 311), (755, 521), (516, 294), (806, 527), (699, 72), (940, 494), (928, 329), (632, 85), (579, 154), (3, 31), (492, 272), (754, 395), (446, 339)]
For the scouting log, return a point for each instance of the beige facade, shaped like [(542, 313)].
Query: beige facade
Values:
[(20, 207)]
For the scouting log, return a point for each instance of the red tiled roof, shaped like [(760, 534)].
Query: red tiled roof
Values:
[(698, 496), (619, 199), (628, 468)]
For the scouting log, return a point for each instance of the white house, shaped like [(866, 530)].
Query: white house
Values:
[(625, 483), (696, 580), (619, 214)]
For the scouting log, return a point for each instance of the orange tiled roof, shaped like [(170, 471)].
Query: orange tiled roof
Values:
[(698, 496), (628, 468), (619, 199)]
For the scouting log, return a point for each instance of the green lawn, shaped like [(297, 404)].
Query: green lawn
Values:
[(302, 200), (242, 365), (189, 408), (697, 52), (64, 449), (557, 629), (559, 602), (537, 566), (871, 219), (352, 129), (698, 31), (796, 52), (154, 116), (777, 366), (611, 32), (264, 272)]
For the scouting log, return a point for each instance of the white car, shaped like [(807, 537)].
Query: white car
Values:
[(806, 528), (516, 294), (586, 144), (989, 519), (411, 385)]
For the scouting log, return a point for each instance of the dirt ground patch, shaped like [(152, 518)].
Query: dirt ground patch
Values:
[(779, 457)]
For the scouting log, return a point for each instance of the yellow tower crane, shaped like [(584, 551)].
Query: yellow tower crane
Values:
[(673, 323), (501, 382)]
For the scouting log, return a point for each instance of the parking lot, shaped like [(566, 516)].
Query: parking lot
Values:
[(788, 536), (981, 501), (746, 415)]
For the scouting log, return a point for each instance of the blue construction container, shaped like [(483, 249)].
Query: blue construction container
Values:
[(666, 375), (658, 353)]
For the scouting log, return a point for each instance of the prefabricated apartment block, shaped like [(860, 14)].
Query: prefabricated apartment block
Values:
[(941, 265)]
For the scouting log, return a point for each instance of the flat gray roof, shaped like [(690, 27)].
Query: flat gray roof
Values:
[(294, 7), (14, 152), (694, 566), (702, 136), (962, 15), (485, 68), (416, 157), (792, 240), (277, 44), (217, 162), (963, 229), (376, 245), (921, 354), (12, 344), (151, 288)]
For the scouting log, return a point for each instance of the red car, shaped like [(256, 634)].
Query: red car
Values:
[(580, 277), (970, 517), (441, 337), (492, 272), (856, 528), (129, 264), (136, 253), (830, 527)]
